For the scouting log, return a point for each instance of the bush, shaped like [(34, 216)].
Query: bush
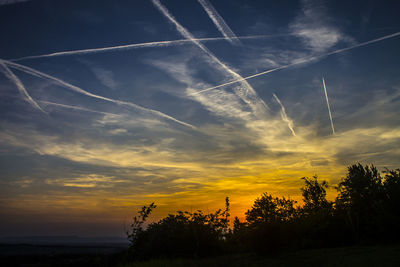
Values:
[(184, 234)]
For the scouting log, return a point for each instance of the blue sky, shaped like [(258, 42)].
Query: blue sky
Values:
[(99, 115)]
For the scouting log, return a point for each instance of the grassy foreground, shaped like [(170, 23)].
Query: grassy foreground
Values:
[(349, 256)]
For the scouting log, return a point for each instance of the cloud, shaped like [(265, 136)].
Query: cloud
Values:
[(240, 159), (240, 129), (24, 182), (313, 26), (301, 61), (118, 131), (76, 108), (245, 92), (106, 77), (222, 104), (268, 136), (319, 39), (86, 181)]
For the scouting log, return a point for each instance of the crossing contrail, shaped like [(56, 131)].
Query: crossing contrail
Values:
[(300, 61), (329, 107), (284, 116), (219, 22), (249, 96), (81, 91), (21, 88), (140, 45)]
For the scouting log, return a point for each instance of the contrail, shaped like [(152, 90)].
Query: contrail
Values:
[(250, 96), (327, 103), (81, 91), (300, 61), (77, 108), (140, 45), (219, 22), (21, 88), (284, 116)]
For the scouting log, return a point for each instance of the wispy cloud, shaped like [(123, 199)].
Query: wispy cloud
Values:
[(284, 116), (329, 107), (246, 92), (223, 104), (220, 103), (262, 133), (21, 88), (81, 91), (86, 181), (219, 22), (76, 108), (106, 77), (313, 27), (302, 61)]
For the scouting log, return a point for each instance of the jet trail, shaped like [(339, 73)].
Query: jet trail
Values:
[(250, 96), (21, 88), (219, 22), (300, 61), (284, 116), (81, 91), (77, 108), (140, 45), (327, 103)]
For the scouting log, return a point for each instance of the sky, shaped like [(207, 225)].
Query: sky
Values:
[(107, 106)]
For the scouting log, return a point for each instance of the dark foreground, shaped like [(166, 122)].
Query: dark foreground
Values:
[(60, 254), (352, 256), (45, 255)]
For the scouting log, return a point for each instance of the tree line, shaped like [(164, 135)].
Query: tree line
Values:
[(366, 211)]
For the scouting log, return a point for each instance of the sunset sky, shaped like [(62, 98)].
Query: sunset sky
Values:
[(123, 118)]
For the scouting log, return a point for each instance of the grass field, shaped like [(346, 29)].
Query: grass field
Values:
[(349, 256), (23, 255)]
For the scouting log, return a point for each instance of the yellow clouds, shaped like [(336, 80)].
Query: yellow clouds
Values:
[(193, 170), (89, 181)]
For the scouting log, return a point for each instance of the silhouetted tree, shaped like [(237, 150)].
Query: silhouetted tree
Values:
[(271, 209), (238, 239), (316, 220), (314, 195), (361, 197), (391, 211), (391, 186), (270, 222), (184, 234), (136, 228)]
